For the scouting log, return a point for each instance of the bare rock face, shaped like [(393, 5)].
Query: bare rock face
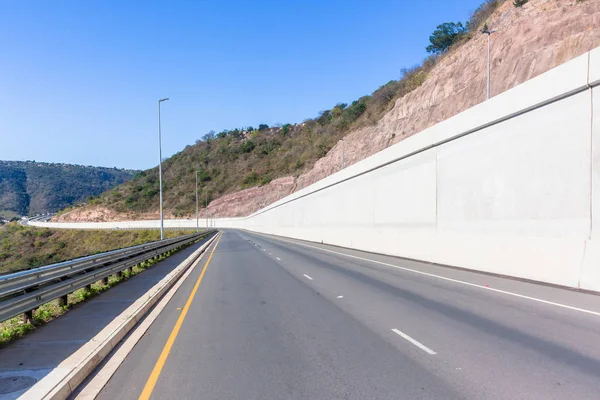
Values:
[(103, 214), (529, 40), (247, 201), (85, 214)]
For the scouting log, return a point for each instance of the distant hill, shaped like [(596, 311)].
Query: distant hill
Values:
[(29, 187)]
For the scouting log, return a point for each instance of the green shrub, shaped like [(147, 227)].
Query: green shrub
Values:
[(209, 136), (322, 148), (482, 13), (33, 262), (247, 146), (444, 36), (130, 201), (356, 109), (203, 175), (324, 117), (251, 179), (520, 3), (236, 133), (150, 192), (265, 180), (44, 233), (386, 93), (268, 147)]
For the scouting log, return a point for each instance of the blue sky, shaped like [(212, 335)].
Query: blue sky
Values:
[(79, 80)]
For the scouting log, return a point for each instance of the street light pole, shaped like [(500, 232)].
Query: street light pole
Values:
[(342, 153), (162, 227), (197, 224), (488, 33)]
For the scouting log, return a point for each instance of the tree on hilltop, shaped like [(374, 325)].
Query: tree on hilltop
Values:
[(444, 36)]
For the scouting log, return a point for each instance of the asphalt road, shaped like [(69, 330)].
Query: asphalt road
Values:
[(280, 319)]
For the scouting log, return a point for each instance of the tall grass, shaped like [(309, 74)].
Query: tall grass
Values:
[(23, 247)]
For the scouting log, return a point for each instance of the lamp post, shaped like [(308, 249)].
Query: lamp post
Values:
[(342, 153), (162, 227), (197, 223), (488, 32)]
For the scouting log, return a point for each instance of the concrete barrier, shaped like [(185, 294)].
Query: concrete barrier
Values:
[(510, 186)]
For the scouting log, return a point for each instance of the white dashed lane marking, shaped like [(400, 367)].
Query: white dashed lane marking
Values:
[(415, 342)]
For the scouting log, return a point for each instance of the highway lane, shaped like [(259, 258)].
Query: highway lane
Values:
[(276, 319)]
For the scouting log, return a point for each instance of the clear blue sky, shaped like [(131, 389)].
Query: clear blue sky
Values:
[(79, 80)]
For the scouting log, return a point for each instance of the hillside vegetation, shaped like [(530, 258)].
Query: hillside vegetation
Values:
[(27, 247), (29, 187), (246, 157)]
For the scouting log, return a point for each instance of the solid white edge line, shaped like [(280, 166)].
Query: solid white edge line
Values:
[(308, 277), (583, 310), (278, 258), (415, 342)]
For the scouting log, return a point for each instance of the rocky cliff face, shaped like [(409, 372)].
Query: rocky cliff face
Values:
[(247, 201), (529, 40)]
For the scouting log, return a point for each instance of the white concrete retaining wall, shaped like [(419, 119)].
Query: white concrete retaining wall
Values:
[(145, 224), (510, 186)]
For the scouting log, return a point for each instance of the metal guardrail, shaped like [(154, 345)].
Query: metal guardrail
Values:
[(24, 291)]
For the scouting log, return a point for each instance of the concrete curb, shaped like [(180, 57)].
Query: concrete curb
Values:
[(65, 378)]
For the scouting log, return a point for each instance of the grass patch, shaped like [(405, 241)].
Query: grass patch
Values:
[(8, 214), (24, 247)]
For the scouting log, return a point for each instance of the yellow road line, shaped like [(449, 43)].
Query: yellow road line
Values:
[(149, 387)]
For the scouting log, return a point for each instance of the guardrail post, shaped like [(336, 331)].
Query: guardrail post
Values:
[(63, 301), (119, 274), (105, 281), (88, 287), (28, 316)]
